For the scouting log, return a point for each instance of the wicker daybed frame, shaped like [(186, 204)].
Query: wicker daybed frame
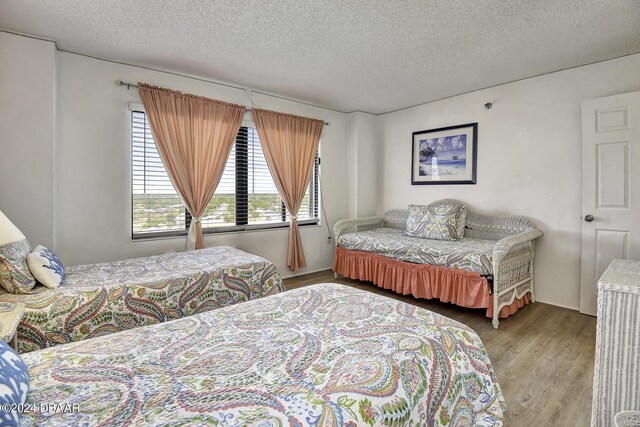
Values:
[(512, 259)]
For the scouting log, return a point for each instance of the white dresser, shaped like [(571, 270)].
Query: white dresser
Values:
[(616, 383)]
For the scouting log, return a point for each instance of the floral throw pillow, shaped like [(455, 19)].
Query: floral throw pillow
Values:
[(439, 222), (14, 383), (15, 276), (46, 267)]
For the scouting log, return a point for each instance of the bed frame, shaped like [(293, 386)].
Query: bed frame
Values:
[(513, 255)]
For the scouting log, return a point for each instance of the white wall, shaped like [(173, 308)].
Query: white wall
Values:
[(352, 162), (27, 87), (369, 146), (529, 159), (363, 141), (93, 176)]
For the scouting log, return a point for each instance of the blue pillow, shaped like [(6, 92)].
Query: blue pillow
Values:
[(14, 383)]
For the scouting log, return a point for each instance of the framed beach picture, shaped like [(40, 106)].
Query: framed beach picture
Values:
[(445, 155)]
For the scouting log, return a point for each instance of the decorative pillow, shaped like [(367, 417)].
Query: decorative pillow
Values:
[(46, 267), (14, 248), (14, 383), (439, 222), (15, 276)]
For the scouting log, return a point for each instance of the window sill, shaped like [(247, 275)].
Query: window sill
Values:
[(222, 230)]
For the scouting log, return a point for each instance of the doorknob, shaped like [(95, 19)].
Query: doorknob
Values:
[(588, 218)]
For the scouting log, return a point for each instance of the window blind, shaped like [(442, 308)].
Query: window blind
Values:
[(156, 205), (245, 198)]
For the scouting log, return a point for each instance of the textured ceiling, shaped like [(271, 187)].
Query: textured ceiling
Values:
[(368, 55)]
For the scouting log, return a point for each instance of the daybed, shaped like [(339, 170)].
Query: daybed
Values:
[(490, 267), (99, 299), (325, 355)]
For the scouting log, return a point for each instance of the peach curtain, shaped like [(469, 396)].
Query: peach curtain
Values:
[(289, 144), (194, 136)]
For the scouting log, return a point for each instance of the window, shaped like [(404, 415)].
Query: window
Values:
[(246, 197)]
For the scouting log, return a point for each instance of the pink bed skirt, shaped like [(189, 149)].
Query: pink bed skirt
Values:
[(463, 288)]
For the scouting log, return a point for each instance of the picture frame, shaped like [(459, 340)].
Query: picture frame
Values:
[(446, 155)]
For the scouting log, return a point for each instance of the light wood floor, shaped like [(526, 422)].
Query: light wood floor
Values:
[(543, 355)]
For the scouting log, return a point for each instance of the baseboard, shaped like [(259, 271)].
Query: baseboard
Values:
[(329, 269), (558, 305), (306, 272)]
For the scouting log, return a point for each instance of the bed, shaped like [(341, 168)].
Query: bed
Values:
[(323, 355), (489, 264), (99, 299)]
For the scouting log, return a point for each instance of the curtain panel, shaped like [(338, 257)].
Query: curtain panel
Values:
[(289, 144), (194, 136)]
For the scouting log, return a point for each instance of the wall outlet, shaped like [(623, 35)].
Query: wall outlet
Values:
[(329, 240)]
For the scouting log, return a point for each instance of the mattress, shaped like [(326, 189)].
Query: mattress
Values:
[(99, 299), (323, 355), (467, 254)]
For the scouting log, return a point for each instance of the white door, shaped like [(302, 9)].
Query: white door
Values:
[(610, 188)]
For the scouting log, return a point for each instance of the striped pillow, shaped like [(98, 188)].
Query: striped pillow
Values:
[(439, 222)]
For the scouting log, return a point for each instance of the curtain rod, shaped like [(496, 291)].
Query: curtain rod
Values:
[(130, 85)]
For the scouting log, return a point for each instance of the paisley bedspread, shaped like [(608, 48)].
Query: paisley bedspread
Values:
[(465, 254), (98, 299), (324, 355)]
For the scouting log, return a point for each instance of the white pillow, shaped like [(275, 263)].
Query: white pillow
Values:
[(46, 267)]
